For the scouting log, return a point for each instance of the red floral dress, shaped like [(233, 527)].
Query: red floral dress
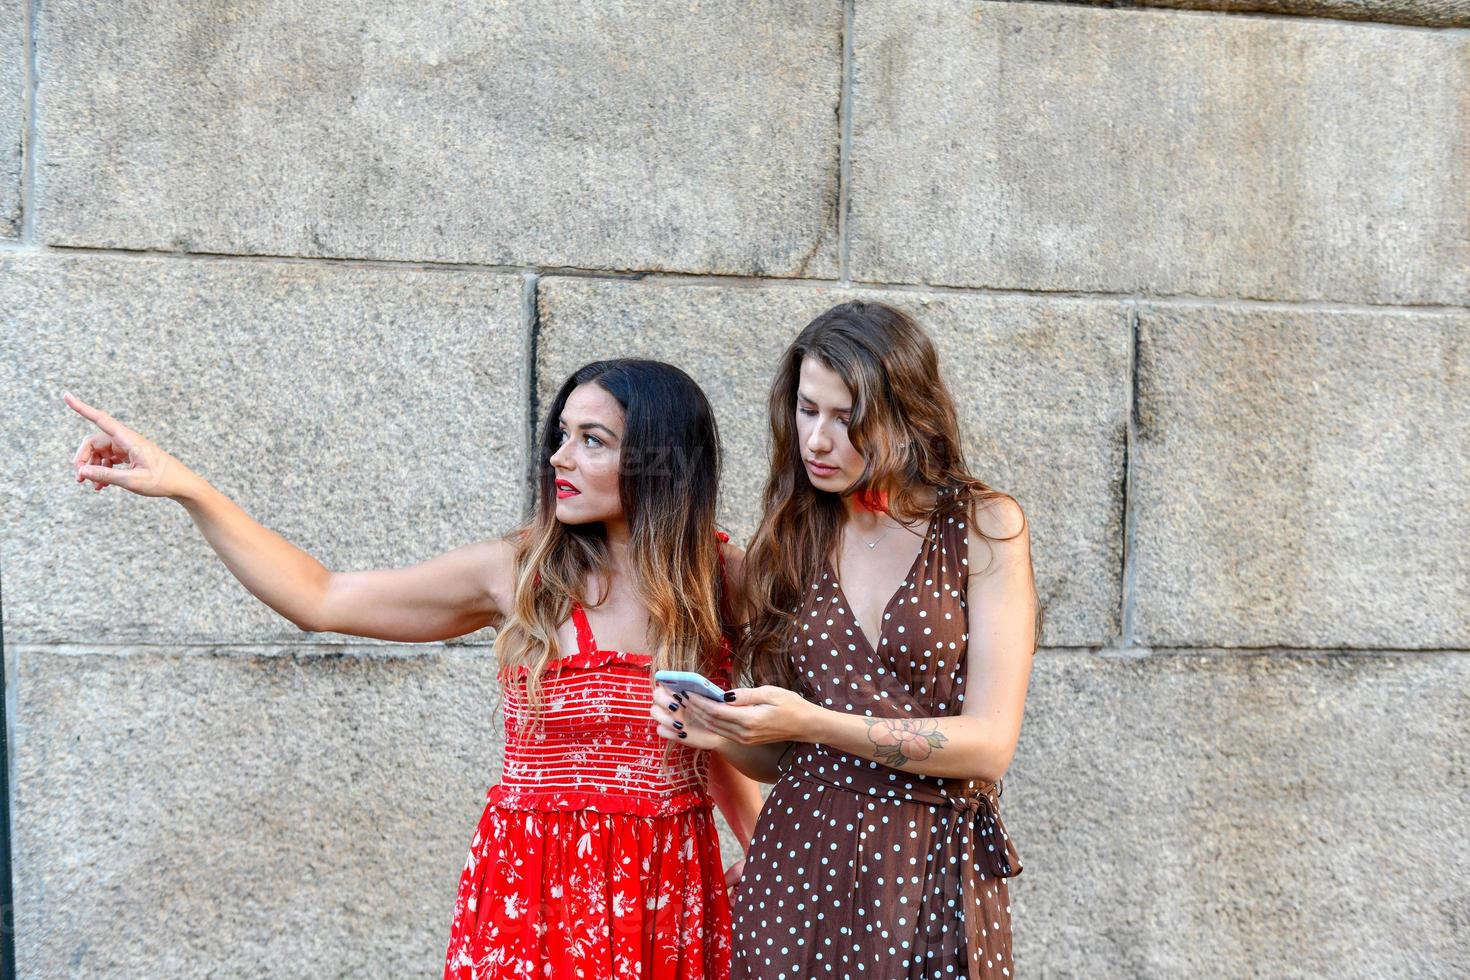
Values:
[(594, 858)]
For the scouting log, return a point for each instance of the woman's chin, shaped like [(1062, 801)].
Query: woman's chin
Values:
[(569, 512), (835, 483)]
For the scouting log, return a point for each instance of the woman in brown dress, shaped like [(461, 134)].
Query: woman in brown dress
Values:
[(893, 618)]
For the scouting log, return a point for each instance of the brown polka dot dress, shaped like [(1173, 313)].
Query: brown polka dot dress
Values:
[(857, 869)]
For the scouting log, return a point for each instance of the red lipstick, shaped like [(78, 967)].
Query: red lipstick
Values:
[(565, 489)]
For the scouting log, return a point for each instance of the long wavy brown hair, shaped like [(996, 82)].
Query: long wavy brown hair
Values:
[(668, 480), (904, 425)]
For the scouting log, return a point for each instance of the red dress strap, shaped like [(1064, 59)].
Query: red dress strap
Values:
[(721, 537), (586, 642), (728, 629), (726, 614)]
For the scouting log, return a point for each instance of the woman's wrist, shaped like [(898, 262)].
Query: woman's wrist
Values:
[(192, 491), (813, 723)]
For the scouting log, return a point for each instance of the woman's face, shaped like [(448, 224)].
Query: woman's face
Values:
[(586, 462), (823, 411)]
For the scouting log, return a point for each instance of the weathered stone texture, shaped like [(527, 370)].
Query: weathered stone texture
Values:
[(1050, 147), (1425, 13), (1040, 384), (12, 113), (306, 814), (666, 135), (1302, 478), (1243, 816), (246, 812), (373, 417)]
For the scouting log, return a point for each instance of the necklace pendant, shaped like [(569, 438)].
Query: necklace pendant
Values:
[(872, 545)]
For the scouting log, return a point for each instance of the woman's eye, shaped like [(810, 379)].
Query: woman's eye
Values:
[(591, 441), (808, 412)]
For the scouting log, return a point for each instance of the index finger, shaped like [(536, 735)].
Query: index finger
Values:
[(98, 417)]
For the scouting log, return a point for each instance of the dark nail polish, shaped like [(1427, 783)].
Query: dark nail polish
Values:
[(729, 696), (683, 734), (674, 707), (679, 725)]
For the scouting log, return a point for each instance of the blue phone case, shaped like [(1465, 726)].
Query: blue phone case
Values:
[(689, 682)]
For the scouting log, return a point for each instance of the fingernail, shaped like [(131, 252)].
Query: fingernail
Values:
[(679, 725), (729, 696), (673, 707), (683, 734)]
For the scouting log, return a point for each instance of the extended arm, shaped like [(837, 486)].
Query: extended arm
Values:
[(450, 595)]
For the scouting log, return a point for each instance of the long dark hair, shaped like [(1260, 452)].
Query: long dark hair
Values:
[(905, 426), (668, 480)]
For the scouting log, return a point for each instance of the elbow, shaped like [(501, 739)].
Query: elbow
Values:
[(991, 774), (311, 612), (308, 622), (992, 766)]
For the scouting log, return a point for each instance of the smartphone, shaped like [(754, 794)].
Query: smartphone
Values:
[(689, 682)]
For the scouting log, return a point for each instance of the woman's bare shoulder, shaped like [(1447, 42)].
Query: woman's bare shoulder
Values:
[(999, 535), (999, 517)]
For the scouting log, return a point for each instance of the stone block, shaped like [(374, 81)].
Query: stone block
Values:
[(1300, 478), (1423, 13), (1041, 386), (12, 113), (664, 135), (1227, 815), (1050, 147), (373, 417), (245, 811)]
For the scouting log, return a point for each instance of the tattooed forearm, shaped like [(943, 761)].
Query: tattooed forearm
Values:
[(898, 741)]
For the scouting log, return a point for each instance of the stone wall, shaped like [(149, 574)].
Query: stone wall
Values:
[(1201, 285)]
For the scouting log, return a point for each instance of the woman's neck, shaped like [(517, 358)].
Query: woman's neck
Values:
[(619, 544), (869, 512)]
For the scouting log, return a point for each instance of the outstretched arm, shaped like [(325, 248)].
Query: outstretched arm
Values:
[(446, 596), (450, 595)]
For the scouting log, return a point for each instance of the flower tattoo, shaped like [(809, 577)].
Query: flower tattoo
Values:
[(897, 741)]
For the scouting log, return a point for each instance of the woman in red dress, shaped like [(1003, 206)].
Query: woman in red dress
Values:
[(597, 854)]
